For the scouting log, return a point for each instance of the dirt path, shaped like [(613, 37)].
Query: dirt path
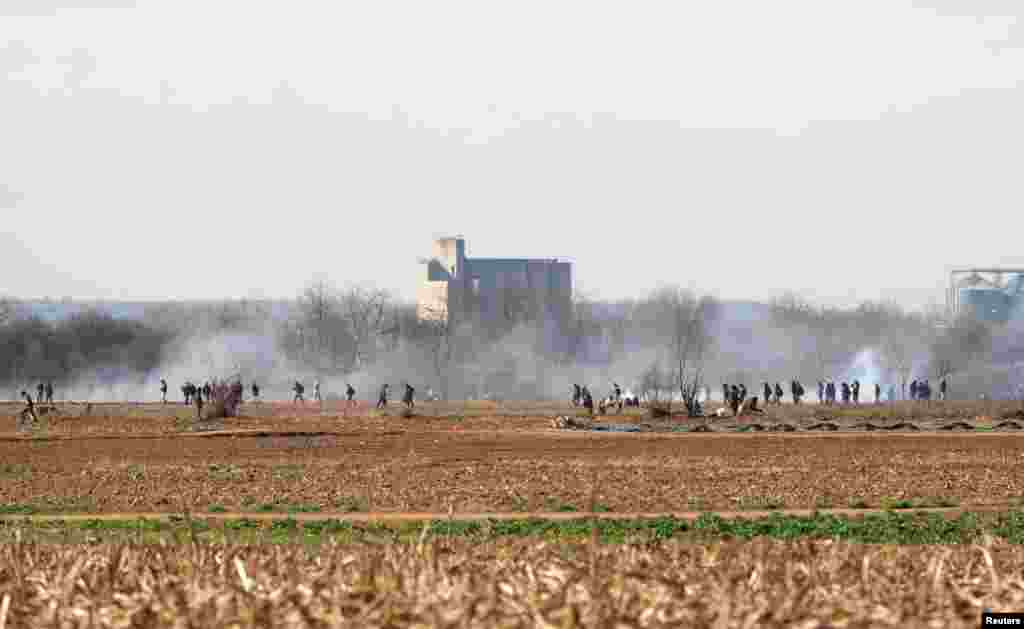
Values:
[(210, 434)]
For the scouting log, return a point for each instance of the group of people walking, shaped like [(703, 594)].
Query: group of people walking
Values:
[(581, 396), (44, 393), (407, 398), (733, 395), (922, 390), (850, 392), (773, 395), (194, 394)]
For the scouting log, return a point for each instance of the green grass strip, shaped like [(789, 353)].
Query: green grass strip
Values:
[(892, 527)]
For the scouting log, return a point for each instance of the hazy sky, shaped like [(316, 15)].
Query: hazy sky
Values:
[(844, 151)]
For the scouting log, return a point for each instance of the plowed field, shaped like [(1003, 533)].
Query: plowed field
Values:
[(141, 458)]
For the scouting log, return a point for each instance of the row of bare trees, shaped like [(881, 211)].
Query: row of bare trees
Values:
[(337, 331), (672, 341), (909, 345), (33, 350)]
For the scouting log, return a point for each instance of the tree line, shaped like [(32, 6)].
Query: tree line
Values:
[(672, 341)]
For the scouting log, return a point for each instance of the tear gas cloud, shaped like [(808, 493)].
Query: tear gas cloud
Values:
[(750, 343)]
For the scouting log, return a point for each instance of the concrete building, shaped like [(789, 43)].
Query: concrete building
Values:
[(493, 289)]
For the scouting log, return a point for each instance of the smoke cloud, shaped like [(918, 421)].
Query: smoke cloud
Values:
[(94, 356)]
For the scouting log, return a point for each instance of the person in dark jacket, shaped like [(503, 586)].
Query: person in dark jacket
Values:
[(407, 398)]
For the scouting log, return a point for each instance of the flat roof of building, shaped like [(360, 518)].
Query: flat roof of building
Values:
[(989, 270), (519, 260)]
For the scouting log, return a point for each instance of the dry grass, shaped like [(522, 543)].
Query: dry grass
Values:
[(507, 584)]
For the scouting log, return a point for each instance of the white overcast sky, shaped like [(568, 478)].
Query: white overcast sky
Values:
[(846, 151)]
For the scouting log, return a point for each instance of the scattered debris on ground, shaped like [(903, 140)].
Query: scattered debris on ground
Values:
[(658, 411), (956, 426), (868, 426), (823, 426), (566, 422), (903, 426), (207, 426), (616, 428)]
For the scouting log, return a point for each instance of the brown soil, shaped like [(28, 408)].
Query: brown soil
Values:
[(421, 516), (134, 461)]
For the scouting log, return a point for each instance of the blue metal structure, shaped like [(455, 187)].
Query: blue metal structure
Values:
[(983, 294)]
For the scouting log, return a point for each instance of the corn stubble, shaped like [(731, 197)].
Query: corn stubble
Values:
[(522, 583)]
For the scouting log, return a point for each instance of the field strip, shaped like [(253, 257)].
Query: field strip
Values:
[(553, 433), (946, 512), (247, 432)]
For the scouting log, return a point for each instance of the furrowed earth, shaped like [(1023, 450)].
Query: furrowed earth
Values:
[(487, 458), (484, 514)]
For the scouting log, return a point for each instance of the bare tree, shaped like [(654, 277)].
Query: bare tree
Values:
[(582, 327), (791, 308), (439, 340), (653, 382), (898, 356), (957, 346), (8, 310), (684, 321), (827, 342), (322, 331), (618, 325), (813, 334), (401, 322), (942, 365), (364, 310)]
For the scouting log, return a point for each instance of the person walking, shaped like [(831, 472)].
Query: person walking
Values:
[(199, 405), (30, 408), (407, 399)]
